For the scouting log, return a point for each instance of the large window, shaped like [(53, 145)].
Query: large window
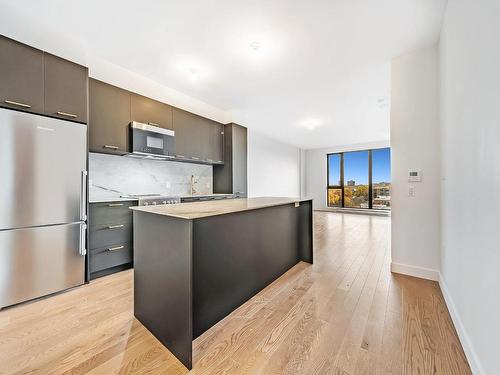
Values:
[(360, 179)]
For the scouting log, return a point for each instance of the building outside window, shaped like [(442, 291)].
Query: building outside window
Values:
[(359, 179)]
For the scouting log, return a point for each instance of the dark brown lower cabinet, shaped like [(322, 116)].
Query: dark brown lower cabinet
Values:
[(110, 238)]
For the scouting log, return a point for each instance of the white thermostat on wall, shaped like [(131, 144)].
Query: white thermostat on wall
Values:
[(414, 176)]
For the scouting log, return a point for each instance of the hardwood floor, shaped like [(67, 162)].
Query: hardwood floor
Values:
[(346, 314)]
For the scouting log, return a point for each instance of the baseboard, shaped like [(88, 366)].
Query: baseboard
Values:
[(423, 273), (430, 274), (470, 353), (358, 211)]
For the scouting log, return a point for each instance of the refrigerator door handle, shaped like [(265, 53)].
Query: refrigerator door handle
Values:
[(83, 247), (83, 196)]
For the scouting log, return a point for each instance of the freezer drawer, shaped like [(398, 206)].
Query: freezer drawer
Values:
[(38, 261), (42, 169)]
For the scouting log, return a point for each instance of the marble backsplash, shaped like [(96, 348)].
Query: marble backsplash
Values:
[(111, 175)]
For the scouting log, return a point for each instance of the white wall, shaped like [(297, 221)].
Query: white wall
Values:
[(316, 169), (415, 138), (273, 167), (470, 111)]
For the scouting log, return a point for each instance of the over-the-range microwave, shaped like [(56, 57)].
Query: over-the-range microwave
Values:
[(150, 141)]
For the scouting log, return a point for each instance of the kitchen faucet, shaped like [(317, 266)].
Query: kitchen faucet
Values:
[(192, 182)]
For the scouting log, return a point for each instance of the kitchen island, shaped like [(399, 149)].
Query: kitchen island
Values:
[(197, 262)]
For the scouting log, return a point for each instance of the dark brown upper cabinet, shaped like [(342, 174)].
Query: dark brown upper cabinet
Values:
[(187, 137), (231, 178), (21, 76), (216, 142), (152, 112), (109, 109), (65, 89), (197, 138)]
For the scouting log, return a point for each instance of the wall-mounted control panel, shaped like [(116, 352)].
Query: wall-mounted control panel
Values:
[(414, 176)]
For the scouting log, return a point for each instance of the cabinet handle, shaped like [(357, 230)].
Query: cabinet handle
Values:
[(195, 158), (66, 114), (17, 103), (154, 124), (115, 248), (115, 204), (179, 156), (115, 226), (111, 147)]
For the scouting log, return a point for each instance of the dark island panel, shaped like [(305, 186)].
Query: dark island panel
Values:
[(197, 264), (237, 255), (305, 231), (162, 280)]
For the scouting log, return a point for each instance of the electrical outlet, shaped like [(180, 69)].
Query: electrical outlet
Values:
[(168, 185), (411, 191)]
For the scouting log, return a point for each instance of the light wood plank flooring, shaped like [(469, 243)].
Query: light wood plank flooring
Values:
[(346, 314)]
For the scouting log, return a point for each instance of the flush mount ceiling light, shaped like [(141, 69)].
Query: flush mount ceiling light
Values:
[(311, 124), (255, 45), (258, 47), (256, 52), (193, 73)]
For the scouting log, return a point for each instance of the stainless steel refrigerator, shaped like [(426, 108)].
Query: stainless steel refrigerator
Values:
[(42, 205)]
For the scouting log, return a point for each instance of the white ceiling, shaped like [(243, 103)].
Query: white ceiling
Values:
[(323, 64)]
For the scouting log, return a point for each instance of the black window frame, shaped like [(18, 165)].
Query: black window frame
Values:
[(342, 185)]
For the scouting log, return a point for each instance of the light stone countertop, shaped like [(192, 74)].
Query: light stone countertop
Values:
[(196, 210), (104, 199), (101, 198)]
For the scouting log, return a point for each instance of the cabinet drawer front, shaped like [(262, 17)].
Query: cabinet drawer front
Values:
[(109, 234), (110, 256), (110, 213), (21, 76)]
